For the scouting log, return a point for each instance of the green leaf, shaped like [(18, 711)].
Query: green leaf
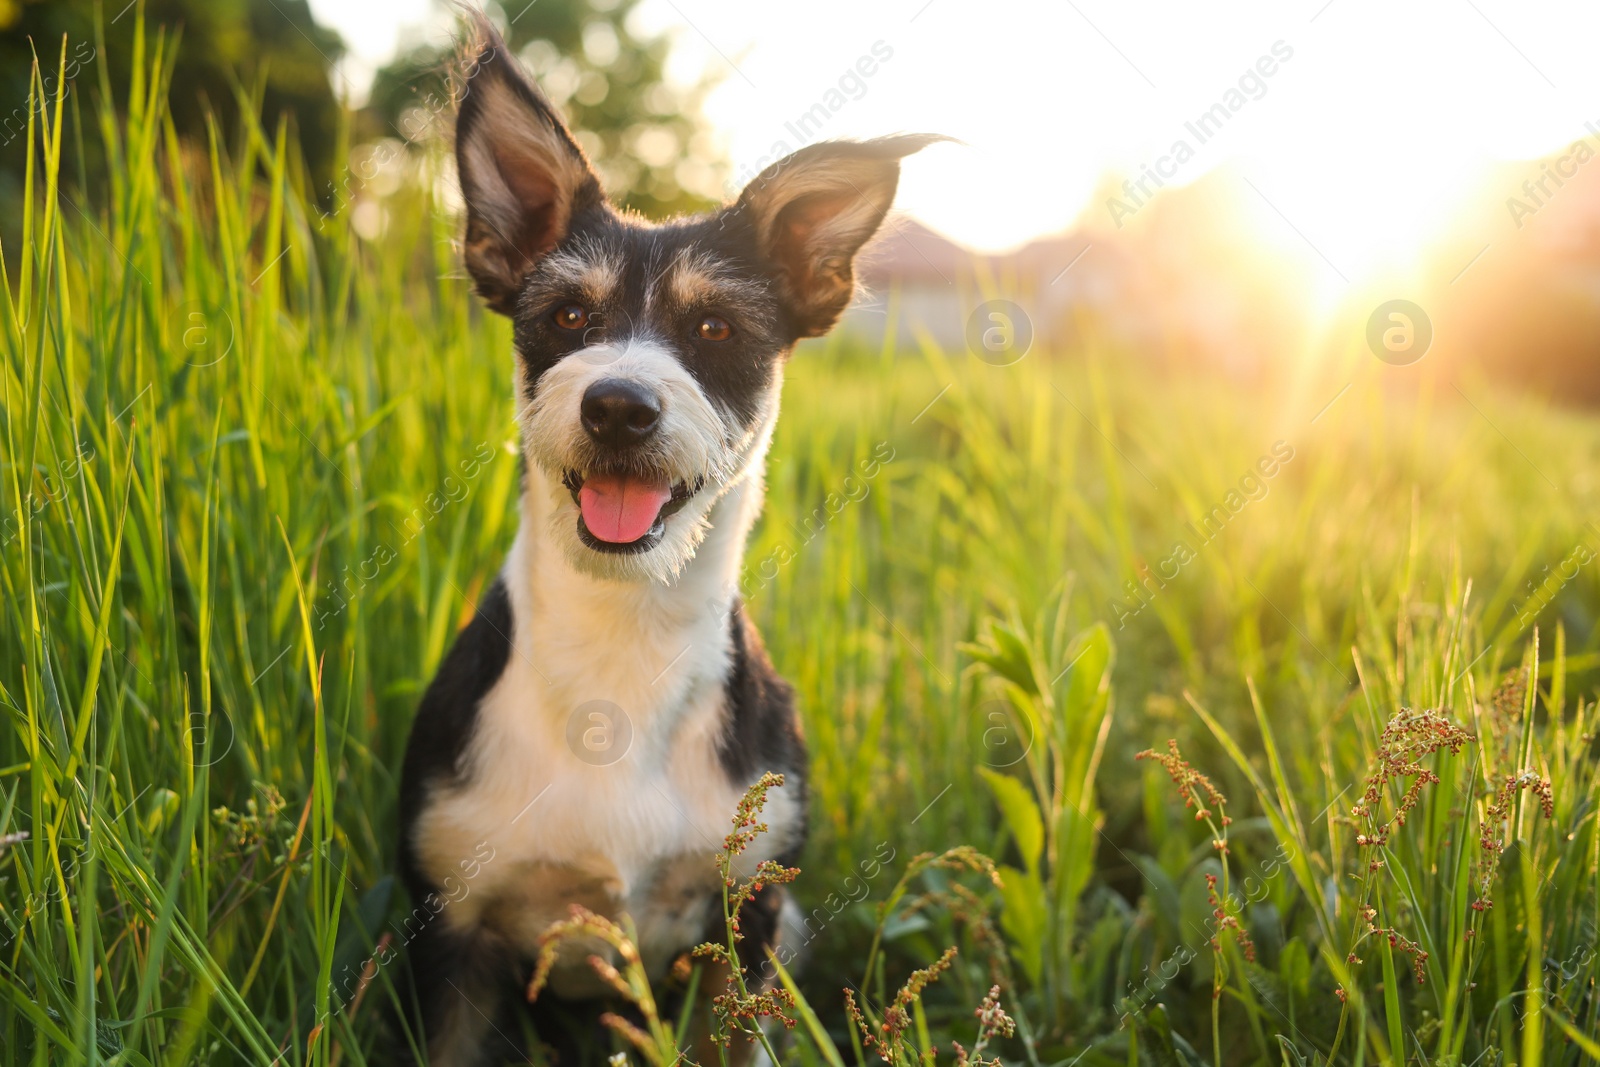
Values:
[(1076, 835), (898, 926), (1003, 651), (1585, 1042), (1391, 998), (1088, 678), (1163, 892), (1079, 730), (1294, 967), (1291, 1055), (1155, 1038), (1024, 918), (1021, 815)]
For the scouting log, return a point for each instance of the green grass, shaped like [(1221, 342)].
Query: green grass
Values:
[(257, 470)]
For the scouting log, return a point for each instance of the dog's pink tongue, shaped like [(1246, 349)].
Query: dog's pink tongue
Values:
[(620, 509)]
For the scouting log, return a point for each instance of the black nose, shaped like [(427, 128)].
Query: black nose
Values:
[(619, 413)]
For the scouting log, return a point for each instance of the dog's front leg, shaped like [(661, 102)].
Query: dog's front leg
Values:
[(459, 979)]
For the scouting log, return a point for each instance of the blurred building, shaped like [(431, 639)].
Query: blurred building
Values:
[(920, 283), (1513, 290)]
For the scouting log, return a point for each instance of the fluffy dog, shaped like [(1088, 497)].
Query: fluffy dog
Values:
[(591, 731)]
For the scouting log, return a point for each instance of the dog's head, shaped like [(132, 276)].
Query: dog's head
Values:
[(649, 356)]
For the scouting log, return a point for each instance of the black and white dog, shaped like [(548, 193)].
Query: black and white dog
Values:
[(591, 732)]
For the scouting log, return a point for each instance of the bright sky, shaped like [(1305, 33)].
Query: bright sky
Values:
[(1378, 116)]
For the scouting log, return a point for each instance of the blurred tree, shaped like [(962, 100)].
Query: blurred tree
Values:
[(645, 137), (225, 44), (268, 47)]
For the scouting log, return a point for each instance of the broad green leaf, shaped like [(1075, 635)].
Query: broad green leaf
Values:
[(1025, 918), (1076, 834), (1291, 1055), (1087, 679), (1162, 891), (1021, 815), (1294, 967), (1003, 651)]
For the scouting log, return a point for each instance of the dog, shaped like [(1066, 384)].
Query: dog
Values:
[(593, 728)]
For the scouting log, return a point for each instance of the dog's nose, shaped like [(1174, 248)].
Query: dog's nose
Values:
[(619, 413)]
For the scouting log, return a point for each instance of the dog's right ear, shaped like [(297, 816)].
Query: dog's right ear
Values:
[(523, 177), (814, 209)]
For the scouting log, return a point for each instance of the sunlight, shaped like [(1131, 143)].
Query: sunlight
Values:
[(1357, 224), (1367, 160)]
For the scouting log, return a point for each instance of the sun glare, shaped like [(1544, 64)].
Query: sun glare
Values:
[(1357, 224)]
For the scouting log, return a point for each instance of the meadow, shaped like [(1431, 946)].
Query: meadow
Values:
[(258, 467)]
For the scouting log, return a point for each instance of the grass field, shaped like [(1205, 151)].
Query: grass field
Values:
[(257, 469)]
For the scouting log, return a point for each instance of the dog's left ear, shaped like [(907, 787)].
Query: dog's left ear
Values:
[(522, 175), (813, 210)]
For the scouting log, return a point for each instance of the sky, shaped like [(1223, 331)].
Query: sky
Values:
[(1360, 124)]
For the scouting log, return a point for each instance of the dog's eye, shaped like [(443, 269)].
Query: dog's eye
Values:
[(713, 328), (570, 317)]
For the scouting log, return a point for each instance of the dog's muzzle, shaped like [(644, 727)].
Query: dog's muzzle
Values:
[(624, 500)]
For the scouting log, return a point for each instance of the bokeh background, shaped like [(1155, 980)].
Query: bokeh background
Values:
[(1239, 185), (1232, 381)]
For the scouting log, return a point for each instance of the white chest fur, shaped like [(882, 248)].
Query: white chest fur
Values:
[(593, 774)]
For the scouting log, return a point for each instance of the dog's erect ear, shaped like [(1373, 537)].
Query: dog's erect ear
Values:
[(813, 210), (522, 175)]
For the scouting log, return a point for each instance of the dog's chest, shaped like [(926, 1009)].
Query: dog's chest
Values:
[(570, 801)]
